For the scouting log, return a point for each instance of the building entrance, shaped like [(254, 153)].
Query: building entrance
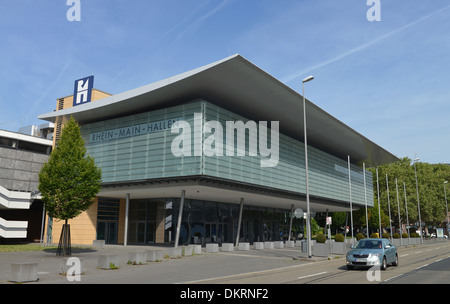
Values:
[(216, 232), (107, 230)]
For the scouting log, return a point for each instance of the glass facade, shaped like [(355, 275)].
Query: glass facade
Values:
[(213, 222), (134, 154)]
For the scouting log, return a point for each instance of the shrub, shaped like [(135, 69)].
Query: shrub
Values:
[(396, 235), (404, 235), (386, 235), (321, 238), (339, 238), (374, 235), (360, 236), (415, 235)]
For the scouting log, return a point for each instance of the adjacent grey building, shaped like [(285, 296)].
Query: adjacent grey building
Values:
[(21, 158)]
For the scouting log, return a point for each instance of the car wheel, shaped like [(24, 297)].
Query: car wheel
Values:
[(384, 264), (395, 261)]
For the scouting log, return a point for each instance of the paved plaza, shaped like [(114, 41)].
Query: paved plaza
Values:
[(187, 269)]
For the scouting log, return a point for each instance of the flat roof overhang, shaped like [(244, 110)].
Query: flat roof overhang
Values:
[(241, 87), (219, 190)]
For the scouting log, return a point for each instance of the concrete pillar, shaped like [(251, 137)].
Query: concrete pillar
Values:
[(239, 222), (180, 215), (127, 206)]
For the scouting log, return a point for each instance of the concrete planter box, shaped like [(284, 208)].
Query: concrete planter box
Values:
[(258, 245), (105, 261), (298, 243), (155, 255), (24, 272), (63, 267), (278, 244), (212, 248), (227, 247), (173, 253), (197, 249), (188, 251), (289, 244), (137, 257), (244, 246), (269, 245), (321, 249), (339, 247), (98, 243), (414, 241), (396, 242)]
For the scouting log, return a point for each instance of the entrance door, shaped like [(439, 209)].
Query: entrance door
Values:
[(107, 230), (216, 233), (247, 231)]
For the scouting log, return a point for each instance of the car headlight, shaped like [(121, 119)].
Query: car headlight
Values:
[(374, 255)]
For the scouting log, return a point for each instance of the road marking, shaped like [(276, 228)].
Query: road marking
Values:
[(419, 251), (423, 266), (311, 275), (404, 255), (236, 276), (393, 277)]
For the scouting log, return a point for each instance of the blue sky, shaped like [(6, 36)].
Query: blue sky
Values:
[(388, 80)]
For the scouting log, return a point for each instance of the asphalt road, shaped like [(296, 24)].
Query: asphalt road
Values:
[(424, 264)]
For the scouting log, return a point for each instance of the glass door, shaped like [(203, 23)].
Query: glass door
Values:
[(107, 231)]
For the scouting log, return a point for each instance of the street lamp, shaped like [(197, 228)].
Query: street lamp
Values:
[(308, 215), (446, 206), (418, 203)]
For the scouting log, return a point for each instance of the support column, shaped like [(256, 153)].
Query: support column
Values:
[(180, 215), (290, 222), (239, 222), (127, 207)]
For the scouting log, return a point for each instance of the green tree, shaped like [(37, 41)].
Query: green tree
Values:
[(69, 181), (430, 178)]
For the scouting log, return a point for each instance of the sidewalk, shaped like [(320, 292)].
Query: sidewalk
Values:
[(168, 271)]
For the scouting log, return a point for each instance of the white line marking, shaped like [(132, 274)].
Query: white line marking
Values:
[(311, 275), (423, 266)]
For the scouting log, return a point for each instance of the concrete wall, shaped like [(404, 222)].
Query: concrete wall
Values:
[(19, 170)]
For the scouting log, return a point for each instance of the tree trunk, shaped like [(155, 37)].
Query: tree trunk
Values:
[(64, 246)]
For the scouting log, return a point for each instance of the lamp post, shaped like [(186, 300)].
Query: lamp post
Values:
[(308, 215), (446, 206), (418, 203)]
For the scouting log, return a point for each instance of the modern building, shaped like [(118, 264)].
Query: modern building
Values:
[(195, 154), (21, 210)]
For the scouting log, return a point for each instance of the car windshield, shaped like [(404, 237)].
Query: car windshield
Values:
[(368, 244)]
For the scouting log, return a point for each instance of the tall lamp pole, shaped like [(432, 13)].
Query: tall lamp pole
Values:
[(308, 214), (418, 203), (446, 206)]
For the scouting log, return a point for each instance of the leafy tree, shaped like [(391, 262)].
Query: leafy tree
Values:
[(430, 179), (69, 181)]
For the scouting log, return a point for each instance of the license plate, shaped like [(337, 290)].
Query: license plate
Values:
[(359, 260)]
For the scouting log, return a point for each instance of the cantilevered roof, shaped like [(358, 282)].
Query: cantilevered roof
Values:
[(241, 87)]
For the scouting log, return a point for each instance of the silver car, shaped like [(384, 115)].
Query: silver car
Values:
[(371, 252)]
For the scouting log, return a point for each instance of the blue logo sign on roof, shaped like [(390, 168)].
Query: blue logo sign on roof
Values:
[(82, 90)]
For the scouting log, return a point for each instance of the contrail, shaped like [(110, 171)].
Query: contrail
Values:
[(361, 47)]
